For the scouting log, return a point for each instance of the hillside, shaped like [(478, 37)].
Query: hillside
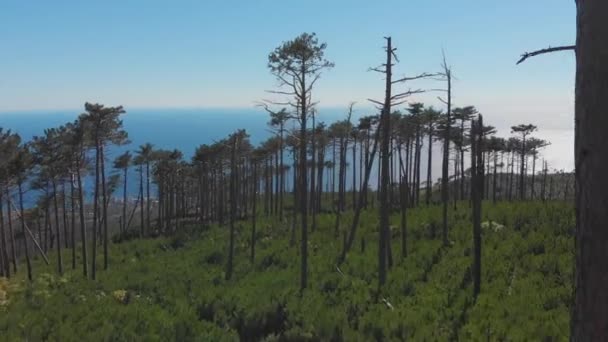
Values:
[(174, 288)]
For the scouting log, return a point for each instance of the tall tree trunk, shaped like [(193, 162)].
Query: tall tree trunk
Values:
[(494, 178), (462, 171), (10, 230), (533, 183), (543, 194), (320, 163), (142, 229), (354, 189), (292, 240), (57, 225), (362, 196), (385, 176), (446, 159), (26, 247), (5, 265), (124, 202), (302, 188), (83, 229), (417, 165), (477, 183), (104, 208), (73, 220), (254, 212), (522, 170), (95, 215), (65, 218), (312, 206), (277, 186), (429, 178), (511, 175), (233, 178), (282, 188), (147, 194), (403, 187), (590, 312)]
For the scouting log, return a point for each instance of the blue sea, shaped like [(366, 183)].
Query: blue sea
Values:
[(186, 129), (183, 129)]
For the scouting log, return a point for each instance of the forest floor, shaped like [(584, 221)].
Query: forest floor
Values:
[(175, 289)]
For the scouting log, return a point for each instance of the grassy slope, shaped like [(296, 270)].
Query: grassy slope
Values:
[(175, 287)]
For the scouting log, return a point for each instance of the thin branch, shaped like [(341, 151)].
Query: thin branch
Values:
[(280, 92), (377, 69), (376, 102), (407, 93), (423, 75), (394, 54), (394, 104), (527, 55)]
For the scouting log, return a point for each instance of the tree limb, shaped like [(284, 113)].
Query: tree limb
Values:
[(376, 102), (527, 55), (423, 75)]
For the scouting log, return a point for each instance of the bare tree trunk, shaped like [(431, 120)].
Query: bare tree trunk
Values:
[(522, 170), (282, 188), (57, 225), (511, 175), (533, 183), (147, 195), (10, 230), (104, 208), (95, 214), (233, 178), (73, 220), (385, 176), (590, 312), (26, 248), (83, 230), (124, 202), (354, 189), (254, 212), (477, 184), (142, 230), (403, 216), (302, 188), (446, 159), (5, 258), (543, 189), (292, 240), (429, 179), (362, 196), (312, 206), (65, 218)]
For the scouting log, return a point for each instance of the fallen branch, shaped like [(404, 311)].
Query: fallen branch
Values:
[(388, 304), (30, 232)]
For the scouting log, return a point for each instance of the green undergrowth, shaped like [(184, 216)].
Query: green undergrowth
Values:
[(174, 288)]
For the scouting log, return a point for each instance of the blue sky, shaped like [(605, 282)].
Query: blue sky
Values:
[(58, 54), (161, 54)]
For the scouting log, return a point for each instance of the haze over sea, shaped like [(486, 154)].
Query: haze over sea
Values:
[(186, 129)]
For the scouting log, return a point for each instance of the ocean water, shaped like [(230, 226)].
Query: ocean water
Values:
[(182, 129), (186, 129)]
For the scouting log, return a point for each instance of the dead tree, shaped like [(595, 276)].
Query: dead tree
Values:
[(447, 75), (589, 320), (477, 184), (390, 101)]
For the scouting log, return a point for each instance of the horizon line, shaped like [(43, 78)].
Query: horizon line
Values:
[(156, 108)]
